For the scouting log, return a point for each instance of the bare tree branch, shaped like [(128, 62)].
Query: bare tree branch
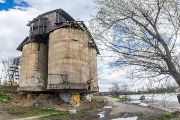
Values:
[(142, 33)]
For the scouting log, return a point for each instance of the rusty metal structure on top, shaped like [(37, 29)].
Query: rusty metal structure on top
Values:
[(58, 55), (44, 24)]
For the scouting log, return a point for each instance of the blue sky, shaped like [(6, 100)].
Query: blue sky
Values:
[(9, 4)]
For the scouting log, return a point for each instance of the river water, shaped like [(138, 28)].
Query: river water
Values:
[(154, 100), (170, 97)]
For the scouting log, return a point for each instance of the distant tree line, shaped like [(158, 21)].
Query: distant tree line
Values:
[(168, 89), (123, 89)]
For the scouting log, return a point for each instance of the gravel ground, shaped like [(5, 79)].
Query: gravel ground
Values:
[(124, 110), (165, 105), (6, 116)]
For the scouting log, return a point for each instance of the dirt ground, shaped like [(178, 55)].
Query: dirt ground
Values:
[(113, 109), (87, 111), (124, 110), (37, 109)]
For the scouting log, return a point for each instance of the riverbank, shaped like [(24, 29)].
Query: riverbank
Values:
[(100, 108), (86, 111), (125, 110)]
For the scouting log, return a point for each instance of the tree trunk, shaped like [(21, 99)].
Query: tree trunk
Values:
[(173, 71)]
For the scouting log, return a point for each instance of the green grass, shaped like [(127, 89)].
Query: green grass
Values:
[(165, 116), (4, 98), (59, 115), (25, 111), (123, 98), (97, 102), (49, 113), (116, 97), (29, 111), (66, 116)]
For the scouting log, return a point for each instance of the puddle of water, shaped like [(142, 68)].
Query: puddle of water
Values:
[(101, 114), (128, 118), (139, 102), (73, 111), (107, 107), (135, 102), (144, 104)]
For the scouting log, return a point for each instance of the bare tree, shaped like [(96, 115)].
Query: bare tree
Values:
[(143, 33), (124, 89), (11, 69), (119, 88), (115, 89)]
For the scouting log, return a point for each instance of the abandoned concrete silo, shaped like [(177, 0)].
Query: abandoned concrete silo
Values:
[(33, 67), (58, 55), (93, 82), (68, 59)]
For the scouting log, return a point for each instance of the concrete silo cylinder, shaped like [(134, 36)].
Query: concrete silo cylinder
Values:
[(68, 66), (92, 82), (34, 67)]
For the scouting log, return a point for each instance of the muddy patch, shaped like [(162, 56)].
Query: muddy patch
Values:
[(128, 118), (4, 115)]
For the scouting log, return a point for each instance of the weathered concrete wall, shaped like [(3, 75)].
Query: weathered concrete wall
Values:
[(93, 82), (34, 67), (68, 66), (69, 63)]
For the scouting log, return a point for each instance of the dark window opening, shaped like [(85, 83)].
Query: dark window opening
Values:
[(57, 17)]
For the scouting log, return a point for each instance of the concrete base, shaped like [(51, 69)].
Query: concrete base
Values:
[(31, 89), (70, 86)]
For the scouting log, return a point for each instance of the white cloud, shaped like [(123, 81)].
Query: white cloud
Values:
[(2, 1), (78, 9), (18, 1), (13, 22), (13, 30)]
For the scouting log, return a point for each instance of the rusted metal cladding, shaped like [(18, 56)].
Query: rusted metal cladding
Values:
[(68, 66), (93, 82), (34, 67)]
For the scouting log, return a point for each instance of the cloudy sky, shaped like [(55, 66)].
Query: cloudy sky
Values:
[(15, 14)]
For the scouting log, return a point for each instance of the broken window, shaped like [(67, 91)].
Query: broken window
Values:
[(57, 17), (32, 28)]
